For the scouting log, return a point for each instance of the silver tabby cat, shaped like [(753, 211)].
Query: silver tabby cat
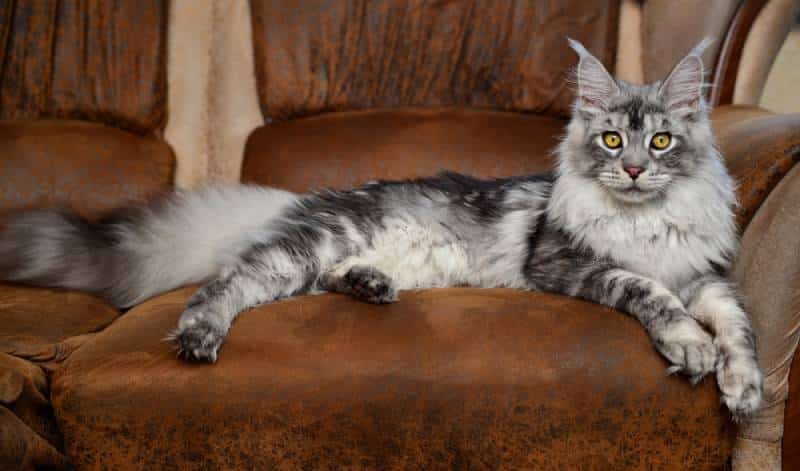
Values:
[(637, 216)]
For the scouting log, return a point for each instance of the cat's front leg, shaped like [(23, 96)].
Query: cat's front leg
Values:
[(713, 302), (675, 334), (204, 323), (262, 274)]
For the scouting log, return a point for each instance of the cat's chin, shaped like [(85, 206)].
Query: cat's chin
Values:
[(633, 195)]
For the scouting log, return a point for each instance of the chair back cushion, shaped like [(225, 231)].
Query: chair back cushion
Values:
[(314, 56)]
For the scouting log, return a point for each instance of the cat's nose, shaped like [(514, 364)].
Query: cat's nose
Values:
[(633, 171)]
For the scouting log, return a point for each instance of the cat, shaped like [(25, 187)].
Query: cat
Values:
[(637, 215)]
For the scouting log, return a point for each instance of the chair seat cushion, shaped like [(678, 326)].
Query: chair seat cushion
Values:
[(36, 320), (351, 148), (448, 378)]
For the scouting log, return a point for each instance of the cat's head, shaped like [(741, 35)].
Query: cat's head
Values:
[(637, 141)]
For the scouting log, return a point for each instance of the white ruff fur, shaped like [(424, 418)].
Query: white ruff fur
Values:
[(672, 240)]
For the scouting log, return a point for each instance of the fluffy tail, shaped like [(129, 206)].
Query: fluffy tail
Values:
[(139, 252)]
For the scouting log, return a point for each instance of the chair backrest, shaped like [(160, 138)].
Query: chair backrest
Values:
[(96, 61), (315, 56), (82, 103)]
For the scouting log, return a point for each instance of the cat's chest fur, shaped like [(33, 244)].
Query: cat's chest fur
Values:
[(651, 245), (671, 243)]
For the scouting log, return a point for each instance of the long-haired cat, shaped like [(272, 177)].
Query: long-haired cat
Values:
[(637, 216)]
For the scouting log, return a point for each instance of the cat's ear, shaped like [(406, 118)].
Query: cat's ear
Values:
[(684, 87), (595, 85)]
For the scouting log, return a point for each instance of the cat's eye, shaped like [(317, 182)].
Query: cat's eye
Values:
[(661, 141), (612, 139)]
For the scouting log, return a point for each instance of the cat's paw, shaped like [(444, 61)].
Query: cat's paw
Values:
[(198, 339), (370, 284), (687, 346), (741, 383)]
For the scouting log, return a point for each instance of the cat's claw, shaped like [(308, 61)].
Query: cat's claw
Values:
[(688, 347), (198, 341), (694, 379), (741, 383)]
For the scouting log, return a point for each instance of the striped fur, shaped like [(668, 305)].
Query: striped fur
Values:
[(653, 245)]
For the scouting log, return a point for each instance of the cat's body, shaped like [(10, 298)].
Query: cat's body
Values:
[(638, 216)]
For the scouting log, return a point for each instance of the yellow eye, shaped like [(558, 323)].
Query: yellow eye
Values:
[(660, 141), (612, 140)]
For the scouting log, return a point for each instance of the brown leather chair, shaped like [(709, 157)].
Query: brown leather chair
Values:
[(96, 98)]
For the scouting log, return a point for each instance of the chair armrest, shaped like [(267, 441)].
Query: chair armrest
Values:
[(760, 147), (768, 273)]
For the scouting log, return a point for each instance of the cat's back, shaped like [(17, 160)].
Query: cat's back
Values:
[(452, 228)]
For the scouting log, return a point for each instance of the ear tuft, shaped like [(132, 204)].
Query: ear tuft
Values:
[(684, 87), (595, 84)]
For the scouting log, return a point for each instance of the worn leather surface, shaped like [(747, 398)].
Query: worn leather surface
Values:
[(671, 28), (24, 390), (28, 432), (723, 117), (21, 449), (449, 378), (101, 61), (314, 56), (768, 274), (29, 437), (39, 328), (346, 149), (759, 148), (88, 167), (36, 320), (791, 430)]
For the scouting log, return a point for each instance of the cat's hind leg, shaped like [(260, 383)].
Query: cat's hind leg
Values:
[(363, 282)]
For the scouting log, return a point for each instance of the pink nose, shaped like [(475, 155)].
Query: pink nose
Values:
[(633, 171)]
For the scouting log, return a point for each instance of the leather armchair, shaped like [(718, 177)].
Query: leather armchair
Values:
[(103, 106)]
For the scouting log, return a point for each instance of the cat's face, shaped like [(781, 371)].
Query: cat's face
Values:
[(636, 142)]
